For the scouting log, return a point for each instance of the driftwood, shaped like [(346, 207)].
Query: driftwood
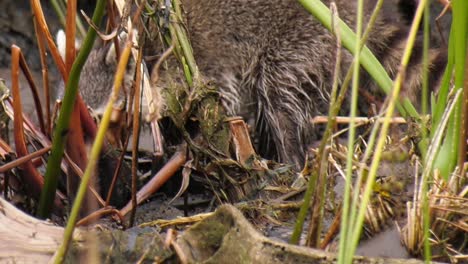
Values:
[(224, 237), (25, 239)]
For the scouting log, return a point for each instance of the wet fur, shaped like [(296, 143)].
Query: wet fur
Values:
[(273, 63), (274, 59), (97, 78)]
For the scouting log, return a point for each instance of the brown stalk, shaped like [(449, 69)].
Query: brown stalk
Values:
[(35, 134), (127, 137), (332, 231), (241, 138), (87, 122), (89, 219), (159, 179), (313, 234), (42, 25), (45, 76), (37, 162), (20, 161), (5, 149), (136, 115), (84, 116), (75, 141), (70, 34), (136, 133), (30, 175), (102, 35), (35, 92), (30, 128)]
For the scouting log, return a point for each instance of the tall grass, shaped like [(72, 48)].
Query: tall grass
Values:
[(446, 159)]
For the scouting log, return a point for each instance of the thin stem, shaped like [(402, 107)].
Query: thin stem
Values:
[(385, 126)]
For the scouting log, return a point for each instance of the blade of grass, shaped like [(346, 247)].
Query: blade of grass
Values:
[(345, 255), (59, 9), (433, 153), (448, 156), (460, 19), (423, 143), (439, 106), (358, 222)]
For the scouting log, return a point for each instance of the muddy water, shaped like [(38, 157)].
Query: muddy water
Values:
[(385, 244)]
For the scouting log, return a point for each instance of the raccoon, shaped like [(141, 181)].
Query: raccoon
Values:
[(273, 63), (97, 75), (98, 78), (274, 59)]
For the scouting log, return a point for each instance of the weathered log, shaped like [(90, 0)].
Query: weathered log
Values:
[(224, 237), (227, 237), (24, 239)]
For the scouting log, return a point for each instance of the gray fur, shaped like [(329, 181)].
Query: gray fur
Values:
[(97, 78), (275, 56), (273, 63)]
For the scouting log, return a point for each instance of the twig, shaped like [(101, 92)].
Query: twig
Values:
[(358, 120), (159, 179), (19, 161), (98, 214)]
